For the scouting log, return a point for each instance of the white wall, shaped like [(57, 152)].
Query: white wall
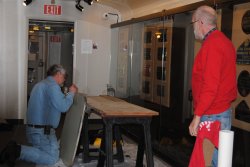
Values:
[(91, 71), (9, 57)]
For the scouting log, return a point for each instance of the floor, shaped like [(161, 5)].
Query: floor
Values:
[(129, 148), (17, 133)]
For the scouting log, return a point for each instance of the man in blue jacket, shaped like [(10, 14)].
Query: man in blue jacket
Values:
[(46, 104)]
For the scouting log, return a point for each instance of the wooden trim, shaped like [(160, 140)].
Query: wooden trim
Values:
[(177, 10)]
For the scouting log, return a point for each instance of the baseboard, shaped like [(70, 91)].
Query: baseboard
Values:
[(15, 121)]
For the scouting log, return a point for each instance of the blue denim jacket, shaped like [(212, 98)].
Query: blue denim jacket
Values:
[(47, 102)]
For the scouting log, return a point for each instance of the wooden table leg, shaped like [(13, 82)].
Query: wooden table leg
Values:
[(148, 147), (140, 152), (108, 142), (102, 151), (85, 155), (117, 134)]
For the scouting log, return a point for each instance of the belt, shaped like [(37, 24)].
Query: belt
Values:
[(37, 126)]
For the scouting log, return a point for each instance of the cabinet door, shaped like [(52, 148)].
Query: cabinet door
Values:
[(162, 65), (156, 64), (147, 65)]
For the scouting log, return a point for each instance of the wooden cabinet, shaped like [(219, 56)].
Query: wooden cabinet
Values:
[(156, 55)]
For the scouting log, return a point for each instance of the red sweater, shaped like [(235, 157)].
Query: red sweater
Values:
[(214, 75)]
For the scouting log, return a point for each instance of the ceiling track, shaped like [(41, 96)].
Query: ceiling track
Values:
[(187, 8)]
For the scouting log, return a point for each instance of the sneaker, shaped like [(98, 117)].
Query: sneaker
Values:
[(58, 164), (10, 154)]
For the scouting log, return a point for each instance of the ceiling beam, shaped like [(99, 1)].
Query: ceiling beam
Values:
[(182, 9)]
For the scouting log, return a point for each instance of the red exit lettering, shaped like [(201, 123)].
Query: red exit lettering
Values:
[(55, 38), (52, 9)]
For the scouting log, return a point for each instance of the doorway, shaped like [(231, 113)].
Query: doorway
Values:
[(49, 42)]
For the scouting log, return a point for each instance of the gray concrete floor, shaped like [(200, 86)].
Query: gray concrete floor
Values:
[(129, 148)]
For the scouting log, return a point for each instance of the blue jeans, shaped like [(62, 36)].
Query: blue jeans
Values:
[(44, 149), (225, 120)]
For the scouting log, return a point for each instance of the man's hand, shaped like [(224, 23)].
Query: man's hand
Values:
[(73, 88), (193, 127)]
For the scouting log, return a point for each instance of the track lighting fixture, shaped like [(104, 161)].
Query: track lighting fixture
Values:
[(27, 2), (79, 6), (90, 2)]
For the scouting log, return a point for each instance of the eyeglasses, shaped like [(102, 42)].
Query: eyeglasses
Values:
[(194, 21)]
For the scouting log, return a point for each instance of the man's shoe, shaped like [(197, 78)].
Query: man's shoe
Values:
[(3, 156), (10, 153)]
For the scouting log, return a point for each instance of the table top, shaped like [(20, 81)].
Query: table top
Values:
[(109, 106)]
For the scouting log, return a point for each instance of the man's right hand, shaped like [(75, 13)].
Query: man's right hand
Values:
[(73, 88), (193, 127)]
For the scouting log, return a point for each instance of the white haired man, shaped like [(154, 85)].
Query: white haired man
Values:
[(213, 75)]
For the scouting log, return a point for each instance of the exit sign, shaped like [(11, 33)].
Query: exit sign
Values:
[(55, 38), (52, 9)]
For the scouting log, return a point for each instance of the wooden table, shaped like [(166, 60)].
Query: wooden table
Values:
[(117, 111)]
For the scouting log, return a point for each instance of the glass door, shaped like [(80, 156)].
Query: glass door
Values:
[(153, 71), (50, 42)]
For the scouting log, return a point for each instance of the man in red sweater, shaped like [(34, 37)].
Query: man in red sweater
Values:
[(213, 75)]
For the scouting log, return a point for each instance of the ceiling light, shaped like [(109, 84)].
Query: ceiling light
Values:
[(158, 35), (36, 28), (78, 6), (27, 2), (90, 2), (47, 27)]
